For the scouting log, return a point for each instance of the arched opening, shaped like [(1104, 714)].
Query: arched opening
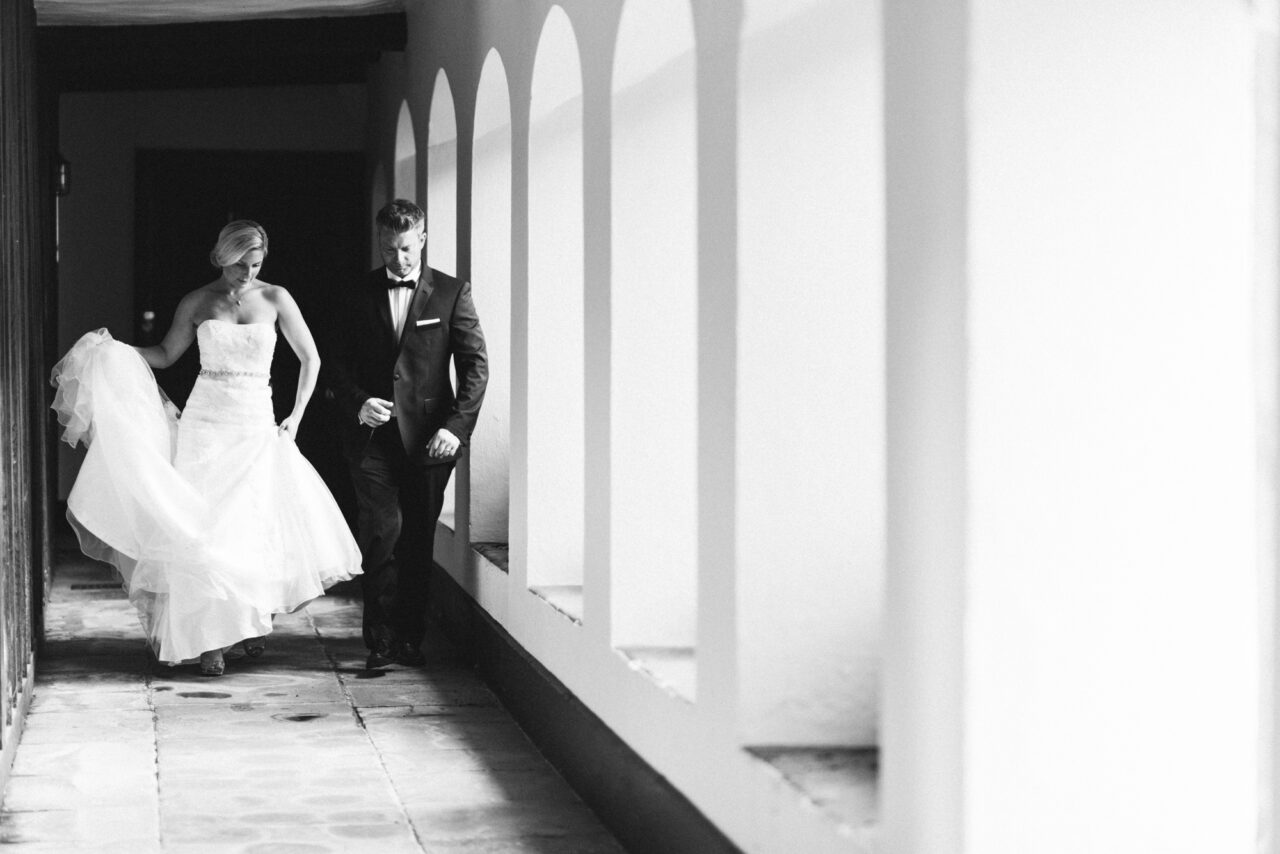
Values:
[(654, 332), (405, 179), (491, 286), (810, 221), (442, 179), (556, 387)]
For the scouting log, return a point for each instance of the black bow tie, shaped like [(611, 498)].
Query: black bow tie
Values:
[(392, 284)]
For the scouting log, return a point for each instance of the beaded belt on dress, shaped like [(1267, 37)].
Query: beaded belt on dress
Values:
[(226, 375)]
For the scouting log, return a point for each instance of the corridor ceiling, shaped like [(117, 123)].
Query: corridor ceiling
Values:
[(112, 45), (120, 12)]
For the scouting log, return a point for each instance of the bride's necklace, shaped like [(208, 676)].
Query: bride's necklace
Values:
[(235, 295)]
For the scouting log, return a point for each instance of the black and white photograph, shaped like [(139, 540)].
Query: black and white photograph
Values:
[(640, 427)]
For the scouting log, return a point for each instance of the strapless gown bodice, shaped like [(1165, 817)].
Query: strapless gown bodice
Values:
[(236, 349), (214, 520), (231, 399)]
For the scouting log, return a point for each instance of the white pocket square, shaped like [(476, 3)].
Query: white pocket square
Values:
[(430, 321)]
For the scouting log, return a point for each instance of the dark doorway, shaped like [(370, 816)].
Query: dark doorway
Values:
[(312, 205)]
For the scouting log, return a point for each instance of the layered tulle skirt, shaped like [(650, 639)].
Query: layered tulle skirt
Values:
[(214, 521)]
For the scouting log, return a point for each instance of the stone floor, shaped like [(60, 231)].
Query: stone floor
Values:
[(301, 750)]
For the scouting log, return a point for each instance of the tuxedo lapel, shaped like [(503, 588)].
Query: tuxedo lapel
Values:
[(420, 296)]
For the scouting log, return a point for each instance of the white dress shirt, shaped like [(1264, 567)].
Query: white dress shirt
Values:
[(400, 298)]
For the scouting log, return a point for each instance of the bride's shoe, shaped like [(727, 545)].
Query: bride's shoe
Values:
[(254, 647), (211, 663)]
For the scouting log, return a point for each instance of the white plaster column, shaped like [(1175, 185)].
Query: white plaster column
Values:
[(594, 35), (1267, 337), (926, 188), (519, 511), (1112, 437), (716, 28)]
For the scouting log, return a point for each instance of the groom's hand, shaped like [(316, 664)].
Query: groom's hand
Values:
[(443, 444), (375, 411)]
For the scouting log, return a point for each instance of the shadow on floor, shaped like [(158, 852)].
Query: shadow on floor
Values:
[(301, 750)]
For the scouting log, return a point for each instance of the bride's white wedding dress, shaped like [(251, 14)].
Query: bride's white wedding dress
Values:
[(214, 521)]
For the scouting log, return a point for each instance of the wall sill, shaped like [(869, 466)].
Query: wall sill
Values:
[(448, 519), (565, 598), (674, 669), (496, 553), (842, 783)]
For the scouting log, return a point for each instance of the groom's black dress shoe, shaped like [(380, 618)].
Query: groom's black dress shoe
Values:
[(407, 654), (379, 656)]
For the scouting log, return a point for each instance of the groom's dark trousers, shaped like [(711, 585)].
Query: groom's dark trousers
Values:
[(399, 503)]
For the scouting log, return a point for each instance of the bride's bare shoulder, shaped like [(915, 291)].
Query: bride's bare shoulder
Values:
[(198, 301), (275, 294)]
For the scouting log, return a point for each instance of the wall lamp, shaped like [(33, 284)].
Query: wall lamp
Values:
[(61, 175)]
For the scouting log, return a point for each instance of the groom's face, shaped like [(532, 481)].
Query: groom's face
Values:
[(401, 251)]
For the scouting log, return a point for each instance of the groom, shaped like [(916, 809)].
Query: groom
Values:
[(404, 425)]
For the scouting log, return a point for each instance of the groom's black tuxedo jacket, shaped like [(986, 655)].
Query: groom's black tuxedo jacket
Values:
[(367, 361)]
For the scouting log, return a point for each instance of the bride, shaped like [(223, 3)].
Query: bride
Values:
[(215, 521)]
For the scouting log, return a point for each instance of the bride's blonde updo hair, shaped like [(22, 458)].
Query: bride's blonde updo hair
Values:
[(236, 239)]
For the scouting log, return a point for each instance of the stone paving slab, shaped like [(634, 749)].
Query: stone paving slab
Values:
[(461, 760), (466, 822), (87, 761), (484, 787), (308, 842), (59, 792), (86, 702), (299, 840), (577, 844), (248, 688), (115, 825), (408, 736), (301, 750)]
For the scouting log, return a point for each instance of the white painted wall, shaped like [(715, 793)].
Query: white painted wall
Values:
[(1112, 428), (974, 397)]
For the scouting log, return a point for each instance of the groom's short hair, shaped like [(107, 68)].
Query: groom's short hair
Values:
[(400, 215)]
